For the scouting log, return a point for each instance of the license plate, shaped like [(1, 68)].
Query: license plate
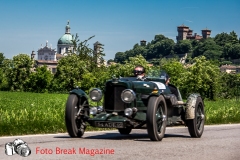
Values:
[(109, 124)]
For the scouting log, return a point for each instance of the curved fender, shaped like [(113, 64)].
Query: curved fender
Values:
[(80, 93), (190, 106)]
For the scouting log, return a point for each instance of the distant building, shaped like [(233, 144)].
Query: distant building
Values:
[(97, 49), (65, 44), (111, 63), (143, 43), (49, 57), (46, 56), (230, 69), (51, 65), (47, 53), (206, 33), (184, 32)]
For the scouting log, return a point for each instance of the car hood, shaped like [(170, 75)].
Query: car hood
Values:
[(139, 86)]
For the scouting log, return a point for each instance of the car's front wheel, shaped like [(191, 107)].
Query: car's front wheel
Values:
[(74, 122), (156, 118)]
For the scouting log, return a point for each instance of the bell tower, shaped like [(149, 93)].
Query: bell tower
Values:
[(182, 32), (206, 33)]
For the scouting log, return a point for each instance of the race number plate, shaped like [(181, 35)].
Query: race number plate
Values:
[(109, 124)]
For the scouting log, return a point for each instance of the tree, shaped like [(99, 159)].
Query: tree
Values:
[(158, 38), (209, 49), (40, 80), (151, 52), (159, 48), (70, 71), (194, 43), (93, 57), (75, 41), (235, 52), (233, 38), (18, 71), (231, 51), (202, 77), (183, 47), (120, 57), (126, 69), (230, 85), (3, 80), (140, 50), (110, 61), (224, 38), (79, 66), (164, 48), (175, 70), (2, 57), (6, 69), (227, 49)]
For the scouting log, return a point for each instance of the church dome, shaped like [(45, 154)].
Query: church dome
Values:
[(65, 39)]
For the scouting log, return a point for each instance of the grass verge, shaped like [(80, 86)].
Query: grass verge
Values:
[(224, 111)]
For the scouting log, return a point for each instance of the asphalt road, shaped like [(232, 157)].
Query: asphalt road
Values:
[(220, 142)]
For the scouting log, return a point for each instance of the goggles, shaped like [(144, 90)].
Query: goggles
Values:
[(138, 72)]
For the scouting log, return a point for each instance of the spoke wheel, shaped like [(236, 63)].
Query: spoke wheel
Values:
[(196, 125), (156, 118), (74, 116)]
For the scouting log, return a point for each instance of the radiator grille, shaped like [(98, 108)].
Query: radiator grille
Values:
[(112, 98)]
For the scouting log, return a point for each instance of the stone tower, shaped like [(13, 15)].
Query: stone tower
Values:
[(206, 33), (143, 43), (96, 51), (182, 32)]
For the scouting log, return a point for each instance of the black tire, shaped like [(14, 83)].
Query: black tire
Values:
[(156, 118), (124, 131), (75, 125), (196, 125)]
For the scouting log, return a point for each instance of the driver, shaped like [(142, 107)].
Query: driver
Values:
[(172, 88), (139, 72)]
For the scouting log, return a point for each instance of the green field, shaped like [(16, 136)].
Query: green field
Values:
[(34, 113), (224, 111), (30, 113)]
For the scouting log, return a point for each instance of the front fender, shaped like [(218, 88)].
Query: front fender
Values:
[(157, 94), (190, 106), (80, 93)]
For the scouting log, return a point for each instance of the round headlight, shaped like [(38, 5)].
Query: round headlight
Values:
[(96, 95), (128, 111), (128, 95)]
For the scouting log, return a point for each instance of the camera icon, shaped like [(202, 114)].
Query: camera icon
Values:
[(17, 146)]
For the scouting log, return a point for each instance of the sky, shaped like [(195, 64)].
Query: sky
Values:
[(118, 24)]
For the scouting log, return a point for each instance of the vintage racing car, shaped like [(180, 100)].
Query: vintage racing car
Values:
[(131, 103)]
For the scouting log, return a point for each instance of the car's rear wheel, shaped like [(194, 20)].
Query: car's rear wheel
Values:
[(156, 118), (125, 131), (196, 125), (73, 116)]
